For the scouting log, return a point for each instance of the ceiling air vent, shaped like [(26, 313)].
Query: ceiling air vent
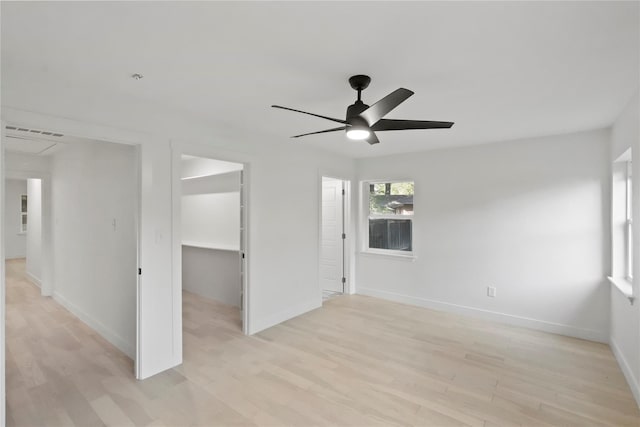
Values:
[(43, 132)]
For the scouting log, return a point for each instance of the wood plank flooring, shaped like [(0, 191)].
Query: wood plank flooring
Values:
[(356, 361)]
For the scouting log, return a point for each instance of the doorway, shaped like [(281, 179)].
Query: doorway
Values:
[(212, 237), (23, 225), (75, 213), (333, 238)]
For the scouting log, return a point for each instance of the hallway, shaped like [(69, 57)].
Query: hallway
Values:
[(59, 371)]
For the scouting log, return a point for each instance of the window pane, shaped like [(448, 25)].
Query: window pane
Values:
[(391, 198), (394, 234), (629, 214), (629, 244)]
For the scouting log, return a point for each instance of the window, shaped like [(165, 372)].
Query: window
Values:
[(622, 225), (390, 216), (23, 213), (628, 230)]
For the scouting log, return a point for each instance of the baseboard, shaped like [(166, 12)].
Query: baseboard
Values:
[(105, 332), (626, 370), (258, 325), (556, 328), (36, 281)]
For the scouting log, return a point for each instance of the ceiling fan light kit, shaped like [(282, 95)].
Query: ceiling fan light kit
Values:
[(358, 134), (359, 129), (362, 121)]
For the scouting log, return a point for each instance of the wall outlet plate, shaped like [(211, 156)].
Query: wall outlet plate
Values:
[(491, 291)]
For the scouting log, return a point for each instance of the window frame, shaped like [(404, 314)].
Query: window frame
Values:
[(628, 229), (367, 216), (23, 214), (621, 277)]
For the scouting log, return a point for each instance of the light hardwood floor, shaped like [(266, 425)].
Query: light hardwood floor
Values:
[(357, 361)]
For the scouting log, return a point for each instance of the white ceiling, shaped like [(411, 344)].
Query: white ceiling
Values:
[(499, 70)]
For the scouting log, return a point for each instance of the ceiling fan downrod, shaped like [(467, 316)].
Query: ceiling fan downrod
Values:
[(359, 82)]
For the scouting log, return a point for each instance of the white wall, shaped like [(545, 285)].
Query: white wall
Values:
[(34, 232), (211, 220), (222, 183), (284, 213), (211, 211), (625, 318), (529, 217), (94, 238), (15, 240), (24, 166), (212, 273)]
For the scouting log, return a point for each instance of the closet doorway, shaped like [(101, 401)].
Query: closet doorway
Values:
[(212, 212)]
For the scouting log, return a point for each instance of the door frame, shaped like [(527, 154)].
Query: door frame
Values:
[(77, 129), (46, 280), (349, 241), (179, 148)]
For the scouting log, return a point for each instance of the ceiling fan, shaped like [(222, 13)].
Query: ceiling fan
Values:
[(362, 121)]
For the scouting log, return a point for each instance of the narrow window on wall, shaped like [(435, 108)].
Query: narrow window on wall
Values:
[(390, 216), (23, 213), (622, 224), (628, 232)]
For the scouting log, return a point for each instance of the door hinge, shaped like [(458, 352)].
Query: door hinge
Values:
[(139, 272), (344, 236), (344, 280), (343, 191), (242, 255)]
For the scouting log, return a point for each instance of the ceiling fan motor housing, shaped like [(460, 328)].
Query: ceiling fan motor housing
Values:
[(355, 109)]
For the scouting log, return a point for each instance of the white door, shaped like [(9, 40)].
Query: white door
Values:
[(332, 241)]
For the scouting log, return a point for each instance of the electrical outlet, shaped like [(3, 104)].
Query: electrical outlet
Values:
[(491, 291)]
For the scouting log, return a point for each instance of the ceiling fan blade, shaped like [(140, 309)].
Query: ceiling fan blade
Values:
[(321, 131), (387, 124), (311, 114), (373, 139), (378, 110)]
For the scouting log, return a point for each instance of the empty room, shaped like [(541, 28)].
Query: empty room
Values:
[(320, 213)]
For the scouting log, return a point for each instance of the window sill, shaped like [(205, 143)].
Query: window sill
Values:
[(624, 286), (393, 255)]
